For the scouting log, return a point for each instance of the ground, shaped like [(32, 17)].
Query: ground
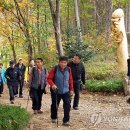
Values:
[(96, 112)]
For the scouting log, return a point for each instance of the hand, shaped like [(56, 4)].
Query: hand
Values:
[(47, 88), (8, 77), (54, 87), (71, 93)]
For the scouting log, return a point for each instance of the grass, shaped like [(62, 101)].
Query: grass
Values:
[(13, 118), (115, 85)]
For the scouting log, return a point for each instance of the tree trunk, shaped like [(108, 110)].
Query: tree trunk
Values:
[(24, 28), (38, 27), (127, 17), (14, 53), (108, 4), (11, 40), (79, 33), (56, 23)]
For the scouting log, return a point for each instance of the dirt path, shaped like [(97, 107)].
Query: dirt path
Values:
[(96, 113)]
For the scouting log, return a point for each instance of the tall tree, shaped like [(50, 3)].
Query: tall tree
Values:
[(24, 26), (79, 33), (108, 10), (55, 13)]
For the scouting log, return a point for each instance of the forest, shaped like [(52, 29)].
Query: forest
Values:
[(48, 29), (52, 28)]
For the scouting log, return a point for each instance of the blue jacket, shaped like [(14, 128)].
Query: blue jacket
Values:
[(3, 76)]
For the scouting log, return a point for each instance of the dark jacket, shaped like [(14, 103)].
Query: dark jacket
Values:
[(78, 71), (21, 70), (128, 64), (12, 75), (35, 78)]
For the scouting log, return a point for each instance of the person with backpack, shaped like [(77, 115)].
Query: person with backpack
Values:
[(12, 75), (38, 82), (61, 82), (22, 68), (78, 73), (2, 79)]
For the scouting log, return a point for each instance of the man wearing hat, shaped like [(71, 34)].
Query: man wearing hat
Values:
[(12, 75), (21, 68)]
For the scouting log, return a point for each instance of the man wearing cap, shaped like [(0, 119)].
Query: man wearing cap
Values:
[(21, 68), (12, 75)]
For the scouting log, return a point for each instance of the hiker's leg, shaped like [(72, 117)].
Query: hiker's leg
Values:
[(21, 82), (16, 89), (34, 99), (66, 101), (53, 105), (11, 93), (40, 94), (2, 87), (77, 93)]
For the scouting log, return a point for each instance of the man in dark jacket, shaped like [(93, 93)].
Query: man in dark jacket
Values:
[(12, 75), (21, 68), (38, 82), (78, 73), (61, 82)]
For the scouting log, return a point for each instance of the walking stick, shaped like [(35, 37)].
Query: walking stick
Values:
[(28, 97)]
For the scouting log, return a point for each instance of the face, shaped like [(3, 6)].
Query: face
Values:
[(32, 63), (20, 62), (12, 65), (76, 59), (39, 63), (63, 64), (1, 66)]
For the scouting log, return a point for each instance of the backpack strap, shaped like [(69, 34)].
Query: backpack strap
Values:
[(45, 71), (33, 70), (55, 69)]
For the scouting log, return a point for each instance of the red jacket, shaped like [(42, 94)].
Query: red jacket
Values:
[(51, 76)]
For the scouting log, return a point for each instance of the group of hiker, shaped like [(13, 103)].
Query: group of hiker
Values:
[(63, 79), (14, 76)]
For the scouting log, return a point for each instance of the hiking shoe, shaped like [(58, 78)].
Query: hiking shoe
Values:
[(39, 111), (66, 123), (75, 108), (20, 96), (16, 95), (12, 102), (35, 112), (53, 120)]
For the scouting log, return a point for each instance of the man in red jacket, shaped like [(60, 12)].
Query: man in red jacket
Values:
[(61, 82)]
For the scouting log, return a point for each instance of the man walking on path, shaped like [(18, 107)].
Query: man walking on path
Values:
[(78, 73), (38, 82), (12, 75), (2, 78), (61, 82), (21, 68)]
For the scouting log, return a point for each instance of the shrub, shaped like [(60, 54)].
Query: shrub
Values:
[(103, 71), (13, 118), (105, 86)]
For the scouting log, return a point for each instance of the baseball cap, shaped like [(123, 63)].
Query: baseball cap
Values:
[(11, 62)]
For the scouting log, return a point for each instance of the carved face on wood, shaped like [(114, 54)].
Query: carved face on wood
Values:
[(117, 23)]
